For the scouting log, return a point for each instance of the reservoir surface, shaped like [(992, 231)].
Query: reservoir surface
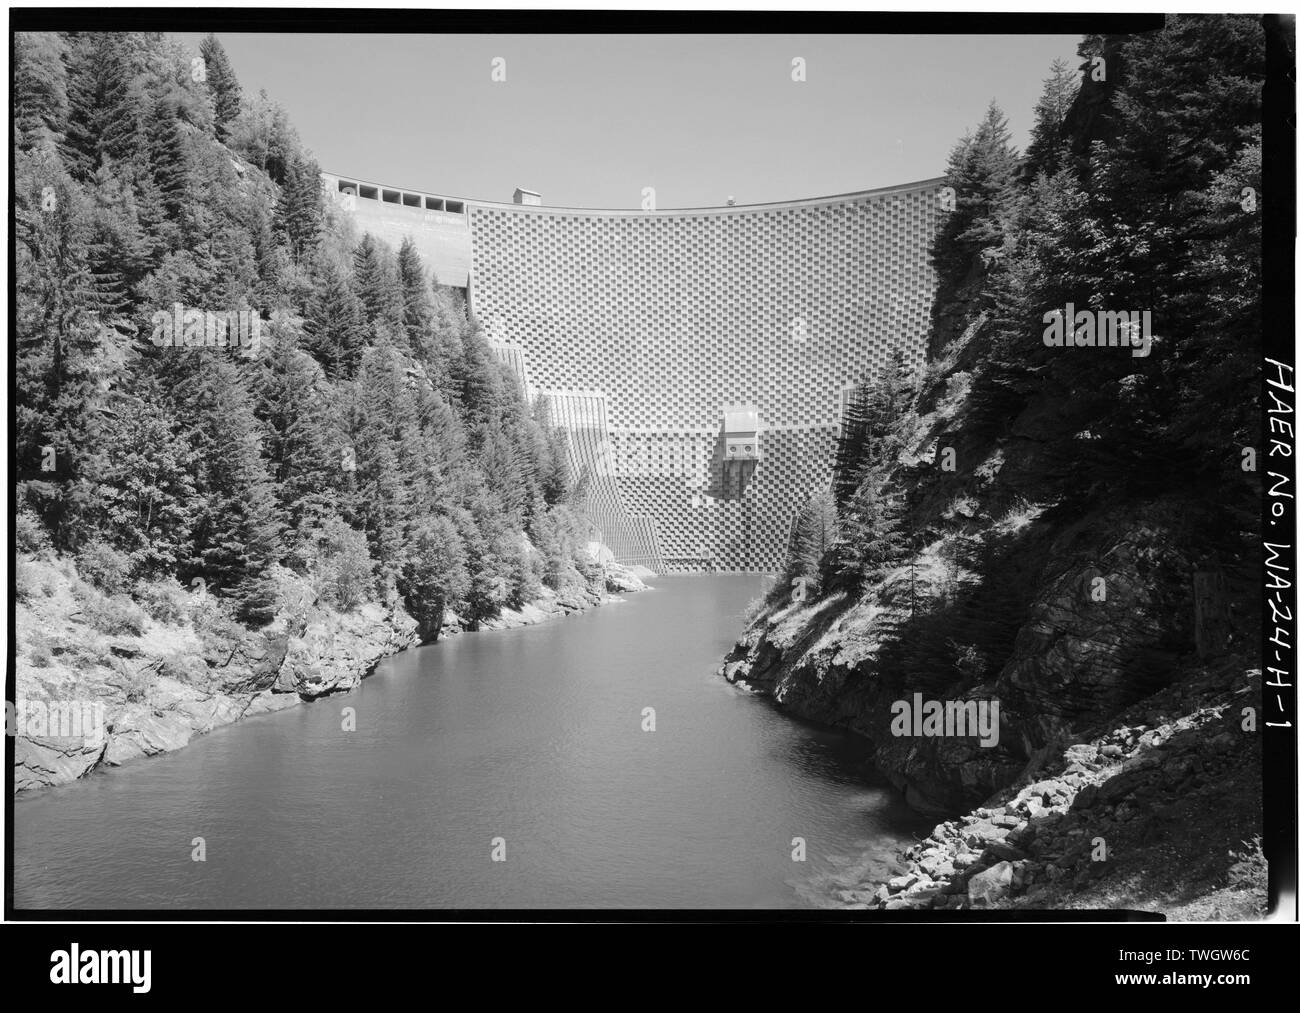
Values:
[(527, 744)]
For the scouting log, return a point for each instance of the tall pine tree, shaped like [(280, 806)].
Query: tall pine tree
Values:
[(223, 85)]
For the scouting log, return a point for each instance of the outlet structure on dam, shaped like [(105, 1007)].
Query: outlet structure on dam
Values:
[(698, 359)]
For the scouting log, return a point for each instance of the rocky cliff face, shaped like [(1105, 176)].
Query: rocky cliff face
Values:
[(1082, 631), (1146, 813), (157, 685), (1126, 772), (160, 684), (1102, 610)]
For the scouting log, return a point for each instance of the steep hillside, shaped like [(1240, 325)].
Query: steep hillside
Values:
[(1060, 536), (239, 426)]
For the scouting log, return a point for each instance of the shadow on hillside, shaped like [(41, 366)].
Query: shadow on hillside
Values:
[(1173, 826)]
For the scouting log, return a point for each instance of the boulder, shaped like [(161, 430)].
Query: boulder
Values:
[(1120, 786), (620, 580), (922, 895), (140, 731), (42, 762), (1002, 851), (1082, 753), (981, 831), (991, 885), (936, 866)]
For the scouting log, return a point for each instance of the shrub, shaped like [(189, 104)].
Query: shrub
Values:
[(114, 616), (344, 569), (1250, 868), (180, 667), (27, 580), (956, 389), (435, 576), (105, 567), (84, 651), (213, 621), (517, 570), (135, 685), (38, 649), (933, 377), (30, 536), (535, 580), (163, 600), (785, 589), (592, 573)]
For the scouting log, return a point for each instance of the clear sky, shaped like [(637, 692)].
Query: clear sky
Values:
[(590, 120)]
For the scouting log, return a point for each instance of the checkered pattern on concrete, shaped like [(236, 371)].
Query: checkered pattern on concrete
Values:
[(672, 316), (643, 327)]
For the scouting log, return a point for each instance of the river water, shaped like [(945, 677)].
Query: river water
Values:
[(527, 743)]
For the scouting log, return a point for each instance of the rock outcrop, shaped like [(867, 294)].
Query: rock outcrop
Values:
[(152, 691), (1143, 815), (1063, 619), (156, 702)]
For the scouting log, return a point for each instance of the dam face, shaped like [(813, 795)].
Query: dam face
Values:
[(698, 359)]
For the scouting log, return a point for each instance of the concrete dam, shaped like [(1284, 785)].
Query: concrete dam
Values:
[(698, 359)]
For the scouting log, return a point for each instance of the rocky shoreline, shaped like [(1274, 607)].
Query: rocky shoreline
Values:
[(1145, 815), (165, 684), (1111, 729)]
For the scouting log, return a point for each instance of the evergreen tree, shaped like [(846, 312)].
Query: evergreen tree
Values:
[(1154, 197), (237, 532), (417, 307), (851, 444), (40, 89), (146, 498), (304, 449), (333, 327), (169, 171), (386, 436), (375, 410), (298, 211), (814, 532), (478, 380), (103, 120), (442, 347), (223, 85), (1047, 144), (379, 288), (553, 475), (119, 247), (873, 531), (982, 172), (282, 148), (507, 468), (59, 346), (434, 576), (874, 426)]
